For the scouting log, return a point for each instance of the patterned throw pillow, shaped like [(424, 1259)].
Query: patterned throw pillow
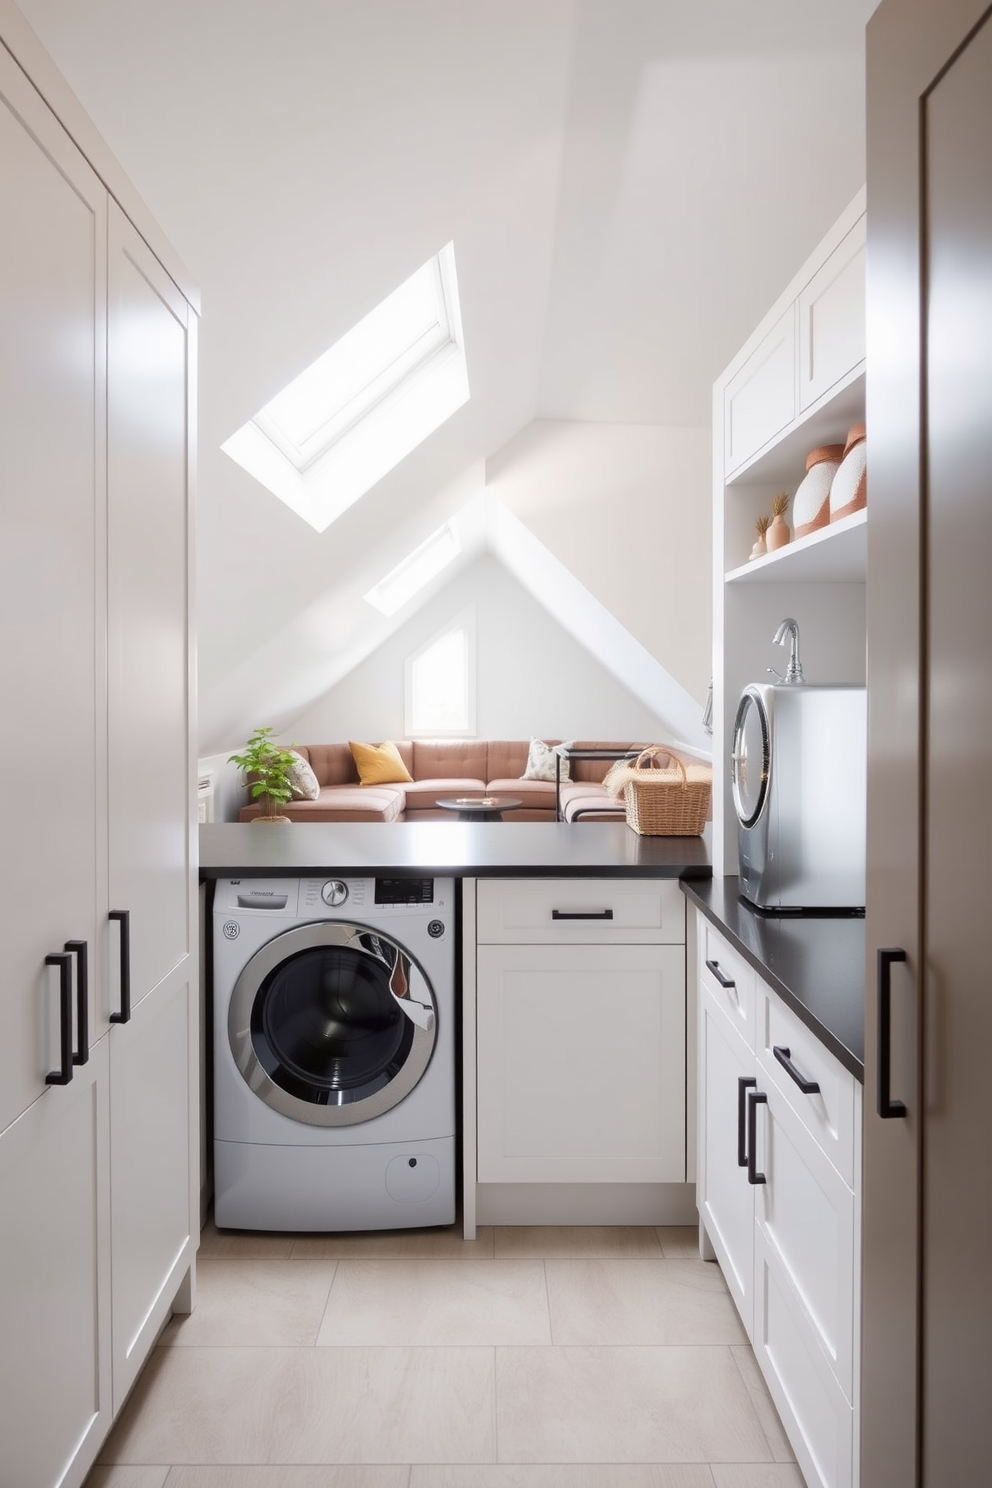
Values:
[(541, 762), (302, 781), (382, 765)]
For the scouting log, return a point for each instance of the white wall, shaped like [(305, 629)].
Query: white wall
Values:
[(531, 677), (626, 508)]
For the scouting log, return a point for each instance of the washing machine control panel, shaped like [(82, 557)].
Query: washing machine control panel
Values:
[(334, 892)]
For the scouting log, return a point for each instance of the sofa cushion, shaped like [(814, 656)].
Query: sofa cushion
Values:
[(302, 781), (421, 795), (543, 763), (379, 764), (343, 803), (535, 794), (450, 759)]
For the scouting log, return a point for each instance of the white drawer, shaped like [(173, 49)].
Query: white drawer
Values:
[(728, 978), (580, 911), (827, 1113)]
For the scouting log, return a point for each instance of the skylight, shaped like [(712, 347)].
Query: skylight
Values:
[(416, 570), (359, 409)]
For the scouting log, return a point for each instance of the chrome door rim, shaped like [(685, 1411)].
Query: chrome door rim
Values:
[(750, 697), (257, 1078)]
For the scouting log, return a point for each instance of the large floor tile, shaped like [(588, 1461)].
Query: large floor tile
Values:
[(446, 1244), (254, 1301), (597, 1475), (309, 1405), (289, 1477), (127, 1477), (584, 1405), (633, 1302), (754, 1475), (679, 1242), (215, 1242), (778, 1443), (576, 1240), (433, 1302)]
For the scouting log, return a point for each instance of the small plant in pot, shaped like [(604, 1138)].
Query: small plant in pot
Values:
[(266, 766)]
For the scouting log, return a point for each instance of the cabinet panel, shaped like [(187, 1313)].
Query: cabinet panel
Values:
[(827, 1114), (52, 316), (54, 1283), (151, 1244), (581, 1064), (572, 911), (148, 635), (832, 319), (723, 1194), (761, 399)]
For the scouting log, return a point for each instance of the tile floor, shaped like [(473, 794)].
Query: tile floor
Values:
[(529, 1358)]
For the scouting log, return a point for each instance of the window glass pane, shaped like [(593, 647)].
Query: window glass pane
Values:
[(439, 685)]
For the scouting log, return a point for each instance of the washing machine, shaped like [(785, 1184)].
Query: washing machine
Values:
[(334, 1053)]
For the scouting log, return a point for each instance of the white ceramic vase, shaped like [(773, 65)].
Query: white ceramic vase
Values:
[(811, 507), (849, 492)]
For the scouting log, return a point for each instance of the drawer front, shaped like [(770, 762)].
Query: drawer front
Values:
[(728, 978), (828, 1112), (580, 911)]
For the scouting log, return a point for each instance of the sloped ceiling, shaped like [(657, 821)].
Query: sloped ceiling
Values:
[(628, 184)]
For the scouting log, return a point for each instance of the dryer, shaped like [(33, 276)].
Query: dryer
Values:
[(334, 1053)]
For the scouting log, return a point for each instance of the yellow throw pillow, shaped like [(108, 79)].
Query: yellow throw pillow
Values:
[(379, 766)]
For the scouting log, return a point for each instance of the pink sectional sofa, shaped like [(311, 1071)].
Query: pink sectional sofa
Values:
[(452, 768)]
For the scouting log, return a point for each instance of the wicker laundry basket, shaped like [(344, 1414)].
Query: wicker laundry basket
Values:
[(673, 801)]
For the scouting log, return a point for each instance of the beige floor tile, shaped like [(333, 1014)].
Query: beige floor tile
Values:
[(215, 1242), (598, 1475), (576, 1240), (422, 1302), (444, 1244), (679, 1242), (127, 1477), (633, 1302), (254, 1301), (309, 1405), (778, 1443), (289, 1477), (763, 1475), (584, 1405)]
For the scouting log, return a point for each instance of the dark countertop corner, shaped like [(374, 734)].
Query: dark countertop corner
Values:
[(815, 962)]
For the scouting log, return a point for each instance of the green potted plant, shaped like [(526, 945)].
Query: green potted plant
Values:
[(266, 766)]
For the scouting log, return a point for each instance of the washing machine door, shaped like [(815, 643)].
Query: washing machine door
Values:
[(332, 1024), (751, 757)]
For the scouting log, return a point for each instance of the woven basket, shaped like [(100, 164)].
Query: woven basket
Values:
[(669, 802)]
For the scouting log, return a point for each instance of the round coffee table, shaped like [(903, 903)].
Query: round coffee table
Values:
[(479, 808)]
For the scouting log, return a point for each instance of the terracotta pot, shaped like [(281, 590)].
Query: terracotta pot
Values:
[(811, 507), (849, 492)]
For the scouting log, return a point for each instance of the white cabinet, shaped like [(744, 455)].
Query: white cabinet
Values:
[(831, 310), (760, 399), (575, 1059), (97, 1188), (778, 1187)]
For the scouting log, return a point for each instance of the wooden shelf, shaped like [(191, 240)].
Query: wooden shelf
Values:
[(837, 554)]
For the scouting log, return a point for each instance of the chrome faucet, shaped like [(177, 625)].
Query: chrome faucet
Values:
[(794, 671)]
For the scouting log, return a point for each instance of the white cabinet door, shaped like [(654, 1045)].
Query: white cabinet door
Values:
[(54, 1284), (52, 330), (832, 319), (761, 399), (723, 1194), (150, 778), (151, 1240), (581, 1064)]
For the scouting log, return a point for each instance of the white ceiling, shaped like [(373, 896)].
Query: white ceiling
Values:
[(628, 184)]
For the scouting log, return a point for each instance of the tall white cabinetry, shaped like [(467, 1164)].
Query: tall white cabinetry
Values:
[(98, 1190), (797, 383)]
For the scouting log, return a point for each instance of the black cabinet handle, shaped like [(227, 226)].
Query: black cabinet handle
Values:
[(744, 1083), (582, 914), (887, 1107), (63, 960), (755, 1098), (714, 967), (123, 916), (80, 949), (808, 1087)]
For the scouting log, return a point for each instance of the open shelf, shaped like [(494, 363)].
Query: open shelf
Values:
[(827, 422), (837, 554)]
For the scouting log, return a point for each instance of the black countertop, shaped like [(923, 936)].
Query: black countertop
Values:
[(449, 849), (815, 962)]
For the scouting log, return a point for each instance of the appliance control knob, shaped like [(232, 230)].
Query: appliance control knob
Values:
[(435, 929), (334, 892)]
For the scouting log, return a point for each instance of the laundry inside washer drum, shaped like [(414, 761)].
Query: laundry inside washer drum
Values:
[(326, 1028)]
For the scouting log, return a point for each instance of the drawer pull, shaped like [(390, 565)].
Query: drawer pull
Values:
[(808, 1087), (582, 914), (887, 1107), (744, 1083), (714, 967), (80, 949), (755, 1098)]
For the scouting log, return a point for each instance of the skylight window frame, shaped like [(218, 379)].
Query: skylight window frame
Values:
[(414, 572)]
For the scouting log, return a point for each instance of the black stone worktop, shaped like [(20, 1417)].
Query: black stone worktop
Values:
[(449, 849), (815, 962)]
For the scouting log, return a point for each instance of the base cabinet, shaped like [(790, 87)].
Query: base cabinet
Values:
[(778, 1187)]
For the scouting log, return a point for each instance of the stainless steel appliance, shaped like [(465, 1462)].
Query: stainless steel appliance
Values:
[(798, 773)]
